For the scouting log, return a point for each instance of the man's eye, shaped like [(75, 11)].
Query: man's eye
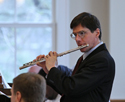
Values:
[(81, 33)]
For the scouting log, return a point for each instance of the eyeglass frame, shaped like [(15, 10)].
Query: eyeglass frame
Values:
[(81, 34)]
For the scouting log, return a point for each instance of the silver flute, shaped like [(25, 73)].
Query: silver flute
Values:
[(59, 55)]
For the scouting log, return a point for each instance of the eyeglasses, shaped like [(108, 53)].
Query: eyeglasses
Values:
[(81, 34)]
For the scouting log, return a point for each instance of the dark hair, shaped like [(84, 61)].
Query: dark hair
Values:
[(87, 20), (31, 86)]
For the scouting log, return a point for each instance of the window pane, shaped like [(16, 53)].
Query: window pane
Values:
[(6, 10), (34, 11), (7, 50), (22, 48), (32, 42)]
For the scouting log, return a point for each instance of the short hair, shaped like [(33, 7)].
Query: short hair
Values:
[(32, 87), (87, 20)]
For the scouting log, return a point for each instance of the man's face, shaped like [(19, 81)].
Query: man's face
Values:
[(88, 37), (13, 96)]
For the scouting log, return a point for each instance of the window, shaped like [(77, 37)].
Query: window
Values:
[(26, 31)]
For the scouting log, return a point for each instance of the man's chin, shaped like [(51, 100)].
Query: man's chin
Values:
[(82, 50)]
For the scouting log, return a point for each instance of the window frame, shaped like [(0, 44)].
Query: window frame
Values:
[(16, 24)]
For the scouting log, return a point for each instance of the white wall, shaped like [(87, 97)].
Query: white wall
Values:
[(111, 15), (117, 48)]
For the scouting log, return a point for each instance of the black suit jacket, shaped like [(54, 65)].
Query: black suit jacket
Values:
[(92, 82)]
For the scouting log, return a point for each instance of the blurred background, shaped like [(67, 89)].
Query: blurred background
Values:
[(29, 28)]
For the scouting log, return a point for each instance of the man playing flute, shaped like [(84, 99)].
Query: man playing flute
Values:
[(93, 75)]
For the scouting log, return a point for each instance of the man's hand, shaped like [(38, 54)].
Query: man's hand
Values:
[(51, 60), (41, 64)]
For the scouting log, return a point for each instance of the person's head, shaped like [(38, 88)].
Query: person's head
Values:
[(28, 87), (86, 30)]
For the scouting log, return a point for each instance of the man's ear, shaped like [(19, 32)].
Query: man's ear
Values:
[(18, 96), (97, 32)]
